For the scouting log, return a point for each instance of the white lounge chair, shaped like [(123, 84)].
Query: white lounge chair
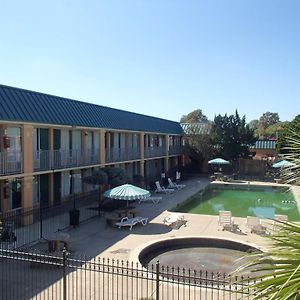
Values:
[(278, 219), (178, 176), (174, 185), (160, 189), (154, 200), (175, 219), (226, 221), (131, 222), (253, 225)]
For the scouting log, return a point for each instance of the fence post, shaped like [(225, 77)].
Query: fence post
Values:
[(41, 220), (65, 273), (157, 281)]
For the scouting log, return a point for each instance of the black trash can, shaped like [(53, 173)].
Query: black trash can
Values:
[(74, 217)]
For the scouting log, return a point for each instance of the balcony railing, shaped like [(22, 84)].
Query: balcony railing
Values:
[(121, 154), (154, 151), (176, 150), (59, 159), (11, 162)]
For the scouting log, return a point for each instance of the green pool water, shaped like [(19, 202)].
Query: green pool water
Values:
[(263, 202)]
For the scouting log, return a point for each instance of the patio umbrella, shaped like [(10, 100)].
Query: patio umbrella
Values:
[(218, 161), (127, 192), (282, 164)]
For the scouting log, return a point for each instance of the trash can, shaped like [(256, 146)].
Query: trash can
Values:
[(74, 217)]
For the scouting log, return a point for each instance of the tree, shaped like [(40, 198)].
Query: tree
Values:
[(200, 147), (288, 129), (195, 116), (253, 124), (278, 268), (99, 178), (116, 176), (231, 136), (267, 119), (273, 131)]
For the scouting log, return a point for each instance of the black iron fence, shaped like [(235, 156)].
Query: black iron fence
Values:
[(26, 225), (32, 275)]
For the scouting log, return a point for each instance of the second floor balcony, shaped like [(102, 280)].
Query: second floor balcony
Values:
[(176, 150), (11, 162), (121, 154), (60, 159), (154, 152)]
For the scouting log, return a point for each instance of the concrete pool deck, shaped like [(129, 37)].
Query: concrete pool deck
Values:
[(97, 239)]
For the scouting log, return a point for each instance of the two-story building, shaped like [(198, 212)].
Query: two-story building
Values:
[(48, 144)]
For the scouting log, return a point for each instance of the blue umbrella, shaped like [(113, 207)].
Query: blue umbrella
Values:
[(127, 192), (283, 164)]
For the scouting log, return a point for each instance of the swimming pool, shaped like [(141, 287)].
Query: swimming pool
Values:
[(242, 201)]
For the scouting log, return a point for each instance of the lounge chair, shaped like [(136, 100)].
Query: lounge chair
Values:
[(178, 176), (278, 219), (175, 220), (226, 221), (174, 185), (253, 225), (160, 189), (131, 222), (154, 200)]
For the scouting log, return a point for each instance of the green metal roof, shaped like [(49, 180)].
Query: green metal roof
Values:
[(264, 144), (28, 106)]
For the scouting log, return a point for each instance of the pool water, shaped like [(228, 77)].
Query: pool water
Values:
[(243, 201)]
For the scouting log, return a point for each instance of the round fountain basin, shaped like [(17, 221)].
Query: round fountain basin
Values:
[(212, 255)]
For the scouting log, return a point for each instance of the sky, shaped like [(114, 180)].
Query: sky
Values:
[(163, 58)]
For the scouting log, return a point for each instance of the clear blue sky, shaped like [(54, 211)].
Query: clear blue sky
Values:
[(158, 57)]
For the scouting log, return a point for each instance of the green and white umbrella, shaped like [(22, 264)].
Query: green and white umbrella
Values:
[(218, 161), (127, 192), (283, 164)]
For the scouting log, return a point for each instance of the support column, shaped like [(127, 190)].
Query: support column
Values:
[(84, 188), (3, 190), (51, 157), (142, 154), (183, 164), (102, 146), (166, 159), (26, 190), (84, 150)]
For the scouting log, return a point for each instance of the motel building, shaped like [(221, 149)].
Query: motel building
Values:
[(49, 144)]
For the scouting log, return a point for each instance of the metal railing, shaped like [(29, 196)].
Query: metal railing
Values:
[(11, 162), (176, 150), (154, 152), (34, 275), (58, 159), (24, 226), (121, 154)]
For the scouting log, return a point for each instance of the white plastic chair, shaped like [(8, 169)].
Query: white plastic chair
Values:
[(174, 185), (174, 219), (160, 189), (226, 221), (277, 221), (253, 225)]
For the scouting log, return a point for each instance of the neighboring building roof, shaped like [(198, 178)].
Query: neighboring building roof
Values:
[(196, 128), (28, 106), (264, 144)]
